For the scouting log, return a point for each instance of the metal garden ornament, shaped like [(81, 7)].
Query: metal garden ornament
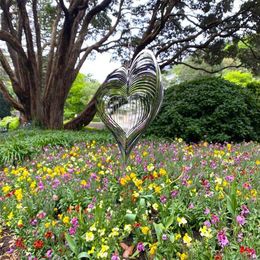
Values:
[(129, 100)]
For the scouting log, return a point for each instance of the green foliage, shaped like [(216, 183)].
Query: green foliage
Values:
[(81, 92), (12, 123), (239, 77), (254, 87), (18, 145), (209, 109), (4, 107)]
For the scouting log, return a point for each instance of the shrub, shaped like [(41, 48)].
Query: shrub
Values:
[(10, 122), (210, 109), (4, 107)]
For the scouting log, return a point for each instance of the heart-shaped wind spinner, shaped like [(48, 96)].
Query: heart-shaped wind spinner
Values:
[(129, 100)]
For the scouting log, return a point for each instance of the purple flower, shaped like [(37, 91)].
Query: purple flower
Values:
[(230, 178), (245, 210), (222, 238), (55, 183), (140, 247), (191, 206), (163, 199), (74, 222), (41, 185), (241, 220), (174, 193), (207, 223), (164, 237), (240, 237), (115, 257), (34, 222)]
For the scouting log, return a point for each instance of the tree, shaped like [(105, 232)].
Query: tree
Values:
[(44, 63), (81, 92)]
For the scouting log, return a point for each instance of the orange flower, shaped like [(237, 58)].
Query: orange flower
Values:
[(38, 244)]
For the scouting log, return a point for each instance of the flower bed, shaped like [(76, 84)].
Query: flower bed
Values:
[(174, 201)]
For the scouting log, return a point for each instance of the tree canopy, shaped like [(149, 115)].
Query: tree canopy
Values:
[(44, 43)]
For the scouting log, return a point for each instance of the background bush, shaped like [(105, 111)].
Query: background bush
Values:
[(12, 123), (4, 107), (210, 109)]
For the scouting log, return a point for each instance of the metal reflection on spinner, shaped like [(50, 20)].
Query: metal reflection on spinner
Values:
[(129, 100)]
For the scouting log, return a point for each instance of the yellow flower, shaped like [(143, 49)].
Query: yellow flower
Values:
[(114, 232), (89, 236), (189, 182), (221, 195), (20, 222), (47, 225), (66, 220), (91, 252), (33, 185), (135, 194), (253, 193), (93, 227), (177, 236), (218, 180), (155, 206), (83, 183), (257, 162), (127, 228), (187, 240), (181, 221), (137, 182), (153, 248), (162, 172), (205, 232), (10, 216), (157, 189), (19, 194), (123, 181), (6, 189), (182, 256), (145, 153), (155, 174), (132, 175), (145, 230), (229, 146), (150, 167)]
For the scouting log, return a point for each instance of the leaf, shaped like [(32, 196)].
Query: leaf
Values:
[(83, 254), (130, 218), (142, 203), (169, 221), (72, 244), (158, 230)]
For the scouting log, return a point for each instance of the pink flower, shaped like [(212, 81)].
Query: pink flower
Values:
[(214, 219), (206, 211), (72, 231), (241, 220), (222, 238), (49, 253)]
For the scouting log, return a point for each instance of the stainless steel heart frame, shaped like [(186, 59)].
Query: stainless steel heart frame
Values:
[(129, 100)]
